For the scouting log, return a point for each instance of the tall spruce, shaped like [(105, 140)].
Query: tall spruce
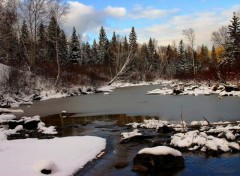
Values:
[(94, 52), (181, 59), (233, 45), (133, 41), (63, 47), (133, 46), (74, 50), (213, 63), (24, 41), (41, 43), (103, 47), (53, 38)]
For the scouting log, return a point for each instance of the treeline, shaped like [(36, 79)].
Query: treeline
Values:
[(31, 37)]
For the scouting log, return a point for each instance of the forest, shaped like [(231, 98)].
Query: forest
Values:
[(33, 41)]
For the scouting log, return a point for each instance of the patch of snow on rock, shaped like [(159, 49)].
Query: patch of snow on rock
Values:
[(160, 150)]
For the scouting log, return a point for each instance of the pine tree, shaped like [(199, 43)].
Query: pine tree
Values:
[(103, 47), (213, 63), (233, 45), (181, 59), (63, 47), (94, 52), (41, 43), (151, 52), (125, 46), (113, 49), (133, 41), (53, 37), (24, 41), (74, 50)]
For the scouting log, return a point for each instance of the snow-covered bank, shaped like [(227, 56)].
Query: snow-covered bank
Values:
[(63, 156), (196, 136), (192, 88), (23, 127)]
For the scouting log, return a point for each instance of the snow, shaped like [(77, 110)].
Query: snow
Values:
[(219, 136), (5, 110), (6, 117), (106, 88), (160, 150), (192, 89), (151, 123), (6, 132), (64, 155), (46, 130), (126, 135), (45, 164)]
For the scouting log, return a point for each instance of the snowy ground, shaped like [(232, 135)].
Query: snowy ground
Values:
[(62, 156)]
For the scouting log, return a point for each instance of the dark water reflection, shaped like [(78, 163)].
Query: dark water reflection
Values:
[(110, 127)]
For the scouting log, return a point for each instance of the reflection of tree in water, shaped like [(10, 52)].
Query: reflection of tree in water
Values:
[(74, 119)]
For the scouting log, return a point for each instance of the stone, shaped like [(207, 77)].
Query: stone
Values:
[(31, 125), (157, 163), (46, 171), (165, 129), (121, 164)]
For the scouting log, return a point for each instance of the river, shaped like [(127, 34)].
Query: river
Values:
[(105, 115), (134, 101)]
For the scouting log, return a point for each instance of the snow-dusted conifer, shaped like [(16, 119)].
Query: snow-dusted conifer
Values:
[(74, 50)]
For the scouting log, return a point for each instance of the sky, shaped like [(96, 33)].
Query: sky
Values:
[(162, 20)]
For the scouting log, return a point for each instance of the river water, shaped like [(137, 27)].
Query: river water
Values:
[(105, 116), (134, 101)]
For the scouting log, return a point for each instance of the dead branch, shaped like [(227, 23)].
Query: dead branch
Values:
[(123, 69)]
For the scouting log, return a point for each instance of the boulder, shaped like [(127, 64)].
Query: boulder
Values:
[(165, 129), (158, 159), (231, 88), (121, 164), (31, 125)]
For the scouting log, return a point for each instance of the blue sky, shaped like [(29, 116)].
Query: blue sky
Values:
[(163, 20)]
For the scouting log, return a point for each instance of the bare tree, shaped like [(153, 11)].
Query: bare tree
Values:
[(124, 68), (58, 9), (220, 37), (190, 36), (34, 12)]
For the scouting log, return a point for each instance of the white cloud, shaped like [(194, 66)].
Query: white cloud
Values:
[(140, 12), (115, 11), (86, 18), (204, 23)]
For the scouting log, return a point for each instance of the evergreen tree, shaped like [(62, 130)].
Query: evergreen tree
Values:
[(143, 64), (233, 45), (74, 50), (133, 41), (113, 49), (63, 47), (125, 46), (181, 59), (213, 63), (53, 37), (86, 53), (24, 41), (94, 52), (103, 47), (41, 43), (133, 46), (151, 53)]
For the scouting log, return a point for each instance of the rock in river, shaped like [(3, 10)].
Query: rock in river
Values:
[(157, 159)]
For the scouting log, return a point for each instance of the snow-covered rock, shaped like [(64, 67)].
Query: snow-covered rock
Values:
[(160, 150), (157, 159)]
